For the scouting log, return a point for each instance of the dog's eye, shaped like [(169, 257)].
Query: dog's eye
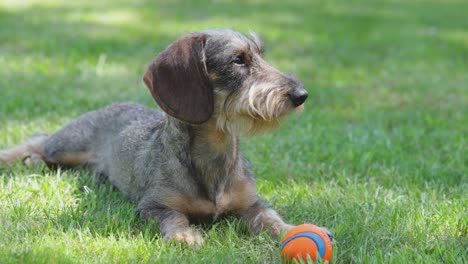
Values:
[(240, 60)]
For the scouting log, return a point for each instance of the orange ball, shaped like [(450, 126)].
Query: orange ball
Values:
[(306, 240)]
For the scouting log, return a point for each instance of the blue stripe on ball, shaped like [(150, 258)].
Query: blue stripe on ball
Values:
[(314, 237)]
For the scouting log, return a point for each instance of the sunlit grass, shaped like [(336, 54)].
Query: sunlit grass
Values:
[(378, 156)]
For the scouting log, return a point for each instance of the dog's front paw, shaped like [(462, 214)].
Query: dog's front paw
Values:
[(277, 232), (189, 236), (283, 229)]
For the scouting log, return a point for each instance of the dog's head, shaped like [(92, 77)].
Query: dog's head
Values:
[(221, 75)]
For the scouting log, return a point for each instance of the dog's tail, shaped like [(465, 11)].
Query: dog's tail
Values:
[(31, 151)]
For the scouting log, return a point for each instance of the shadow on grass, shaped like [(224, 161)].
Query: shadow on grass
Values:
[(72, 38), (60, 61), (101, 210)]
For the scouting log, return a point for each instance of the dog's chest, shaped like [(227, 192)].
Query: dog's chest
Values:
[(221, 172), (228, 190), (237, 197)]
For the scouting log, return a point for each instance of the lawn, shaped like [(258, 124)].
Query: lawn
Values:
[(379, 156)]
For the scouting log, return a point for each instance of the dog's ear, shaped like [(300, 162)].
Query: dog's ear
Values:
[(178, 80)]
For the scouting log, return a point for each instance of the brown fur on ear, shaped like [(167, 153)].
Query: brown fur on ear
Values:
[(179, 82)]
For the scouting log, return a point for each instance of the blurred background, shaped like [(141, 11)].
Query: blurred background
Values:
[(370, 66), (380, 150)]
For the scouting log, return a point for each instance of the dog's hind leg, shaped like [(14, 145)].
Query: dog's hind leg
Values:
[(61, 148), (30, 152), (73, 145)]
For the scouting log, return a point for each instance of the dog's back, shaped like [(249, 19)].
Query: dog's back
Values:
[(88, 140), (85, 140)]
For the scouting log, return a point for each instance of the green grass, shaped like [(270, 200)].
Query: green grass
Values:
[(379, 156)]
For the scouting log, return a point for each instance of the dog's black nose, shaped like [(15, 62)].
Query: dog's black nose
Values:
[(298, 96)]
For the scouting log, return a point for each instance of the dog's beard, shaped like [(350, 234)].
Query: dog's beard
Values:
[(244, 125), (260, 109)]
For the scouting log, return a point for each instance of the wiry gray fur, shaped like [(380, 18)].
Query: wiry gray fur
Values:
[(186, 164)]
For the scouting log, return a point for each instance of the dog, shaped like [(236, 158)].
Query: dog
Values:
[(184, 164)]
